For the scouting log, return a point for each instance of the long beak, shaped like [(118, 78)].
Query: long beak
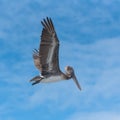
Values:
[(76, 81)]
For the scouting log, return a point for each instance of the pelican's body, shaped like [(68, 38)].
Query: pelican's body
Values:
[(52, 79), (46, 58)]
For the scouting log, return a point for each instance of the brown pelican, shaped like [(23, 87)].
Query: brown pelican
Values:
[(46, 59)]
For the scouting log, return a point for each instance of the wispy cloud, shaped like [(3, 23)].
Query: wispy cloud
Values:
[(89, 37), (95, 116), (97, 73)]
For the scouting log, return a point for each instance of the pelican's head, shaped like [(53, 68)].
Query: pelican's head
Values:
[(69, 71), (70, 74)]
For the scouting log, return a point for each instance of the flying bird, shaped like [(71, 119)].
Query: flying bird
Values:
[(46, 58)]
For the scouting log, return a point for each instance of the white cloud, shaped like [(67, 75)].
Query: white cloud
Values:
[(98, 81), (97, 65), (95, 116)]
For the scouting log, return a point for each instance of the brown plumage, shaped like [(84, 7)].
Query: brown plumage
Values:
[(46, 59)]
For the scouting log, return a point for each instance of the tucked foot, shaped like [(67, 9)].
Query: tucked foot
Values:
[(36, 82), (36, 79)]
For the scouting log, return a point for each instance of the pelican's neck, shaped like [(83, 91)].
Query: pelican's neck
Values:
[(66, 76)]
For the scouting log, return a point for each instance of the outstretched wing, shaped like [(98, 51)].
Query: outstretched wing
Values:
[(47, 60), (36, 58)]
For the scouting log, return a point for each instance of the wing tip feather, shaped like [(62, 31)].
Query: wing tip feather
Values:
[(48, 24)]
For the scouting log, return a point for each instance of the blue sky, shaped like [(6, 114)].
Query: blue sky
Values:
[(89, 34)]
